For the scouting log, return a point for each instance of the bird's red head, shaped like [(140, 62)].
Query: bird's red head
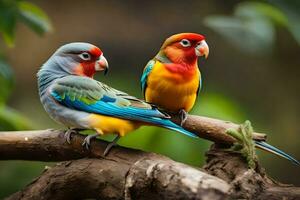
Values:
[(90, 61), (184, 48)]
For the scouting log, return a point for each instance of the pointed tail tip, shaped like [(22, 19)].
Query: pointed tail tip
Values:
[(267, 147), (175, 127)]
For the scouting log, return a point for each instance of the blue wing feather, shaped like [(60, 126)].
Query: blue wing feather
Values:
[(200, 85), (109, 108), (145, 75), (88, 95)]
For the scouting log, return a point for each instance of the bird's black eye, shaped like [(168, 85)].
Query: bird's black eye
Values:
[(185, 43), (85, 56)]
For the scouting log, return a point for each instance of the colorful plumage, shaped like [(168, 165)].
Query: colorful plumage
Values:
[(172, 80), (73, 98)]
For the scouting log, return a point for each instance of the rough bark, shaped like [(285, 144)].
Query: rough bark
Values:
[(123, 174), (133, 174), (246, 183), (151, 177)]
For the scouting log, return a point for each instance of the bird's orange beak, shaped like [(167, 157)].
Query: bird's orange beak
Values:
[(202, 49), (101, 64)]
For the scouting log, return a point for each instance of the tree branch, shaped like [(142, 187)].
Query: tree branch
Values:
[(26, 145), (133, 174), (124, 173), (151, 177), (214, 129)]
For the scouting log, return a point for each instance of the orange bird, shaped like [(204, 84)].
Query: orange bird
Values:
[(172, 79)]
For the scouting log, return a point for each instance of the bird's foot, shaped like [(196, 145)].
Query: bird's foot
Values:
[(110, 145), (68, 134), (244, 142), (87, 140), (182, 116)]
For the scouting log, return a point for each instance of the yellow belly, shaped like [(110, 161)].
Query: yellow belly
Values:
[(171, 91), (105, 125)]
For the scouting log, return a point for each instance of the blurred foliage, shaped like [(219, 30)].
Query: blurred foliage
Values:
[(252, 26), (16, 174), (12, 11), (6, 81), (11, 120), (291, 10)]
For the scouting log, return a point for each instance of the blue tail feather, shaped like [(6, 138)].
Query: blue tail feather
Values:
[(166, 123), (178, 128), (267, 147)]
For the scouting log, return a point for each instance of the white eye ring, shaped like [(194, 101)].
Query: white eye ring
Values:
[(85, 56), (185, 43)]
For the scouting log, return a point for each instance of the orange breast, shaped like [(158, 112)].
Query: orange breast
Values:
[(172, 91)]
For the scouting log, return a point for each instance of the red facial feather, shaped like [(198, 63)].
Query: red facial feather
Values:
[(95, 51), (86, 69), (184, 58), (89, 68), (190, 36), (180, 54)]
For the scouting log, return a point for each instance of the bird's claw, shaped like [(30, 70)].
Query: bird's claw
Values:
[(183, 116), (107, 149), (110, 145), (87, 140), (68, 135)]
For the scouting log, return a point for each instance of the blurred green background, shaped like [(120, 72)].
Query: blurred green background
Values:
[(253, 71)]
